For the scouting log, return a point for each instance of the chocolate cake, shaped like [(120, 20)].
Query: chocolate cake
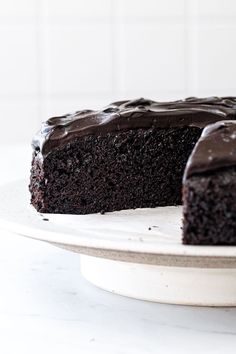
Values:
[(209, 192), (131, 154)]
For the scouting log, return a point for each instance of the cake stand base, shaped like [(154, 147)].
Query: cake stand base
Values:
[(173, 285)]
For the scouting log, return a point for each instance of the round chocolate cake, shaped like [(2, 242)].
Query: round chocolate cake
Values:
[(131, 154)]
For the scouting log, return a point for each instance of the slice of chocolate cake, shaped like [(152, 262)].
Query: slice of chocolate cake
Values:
[(209, 192), (131, 154)]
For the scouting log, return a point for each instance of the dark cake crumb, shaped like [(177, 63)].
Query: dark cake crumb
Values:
[(140, 168), (210, 208)]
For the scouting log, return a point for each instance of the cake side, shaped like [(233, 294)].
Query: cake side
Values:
[(209, 188), (38, 183), (209, 208), (139, 168)]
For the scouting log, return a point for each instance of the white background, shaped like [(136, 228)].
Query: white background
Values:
[(58, 56)]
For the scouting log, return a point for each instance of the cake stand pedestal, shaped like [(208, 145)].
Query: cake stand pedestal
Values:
[(175, 285)]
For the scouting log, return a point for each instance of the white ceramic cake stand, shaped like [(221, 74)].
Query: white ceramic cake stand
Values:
[(137, 253)]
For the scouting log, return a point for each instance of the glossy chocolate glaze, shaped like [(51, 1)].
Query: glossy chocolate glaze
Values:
[(134, 114), (215, 149)]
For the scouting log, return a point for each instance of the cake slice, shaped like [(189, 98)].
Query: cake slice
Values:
[(131, 154), (209, 188)]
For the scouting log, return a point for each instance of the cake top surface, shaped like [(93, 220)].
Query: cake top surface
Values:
[(133, 114), (215, 149)]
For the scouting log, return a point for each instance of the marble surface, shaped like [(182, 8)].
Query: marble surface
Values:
[(47, 307)]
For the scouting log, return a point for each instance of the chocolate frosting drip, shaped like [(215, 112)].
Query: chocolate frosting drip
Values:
[(134, 114), (215, 149)]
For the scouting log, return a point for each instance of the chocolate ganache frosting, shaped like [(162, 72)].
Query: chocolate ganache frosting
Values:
[(134, 114), (215, 149)]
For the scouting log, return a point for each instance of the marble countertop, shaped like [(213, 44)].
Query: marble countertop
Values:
[(47, 307)]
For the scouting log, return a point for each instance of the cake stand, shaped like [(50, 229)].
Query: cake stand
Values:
[(136, 253)]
